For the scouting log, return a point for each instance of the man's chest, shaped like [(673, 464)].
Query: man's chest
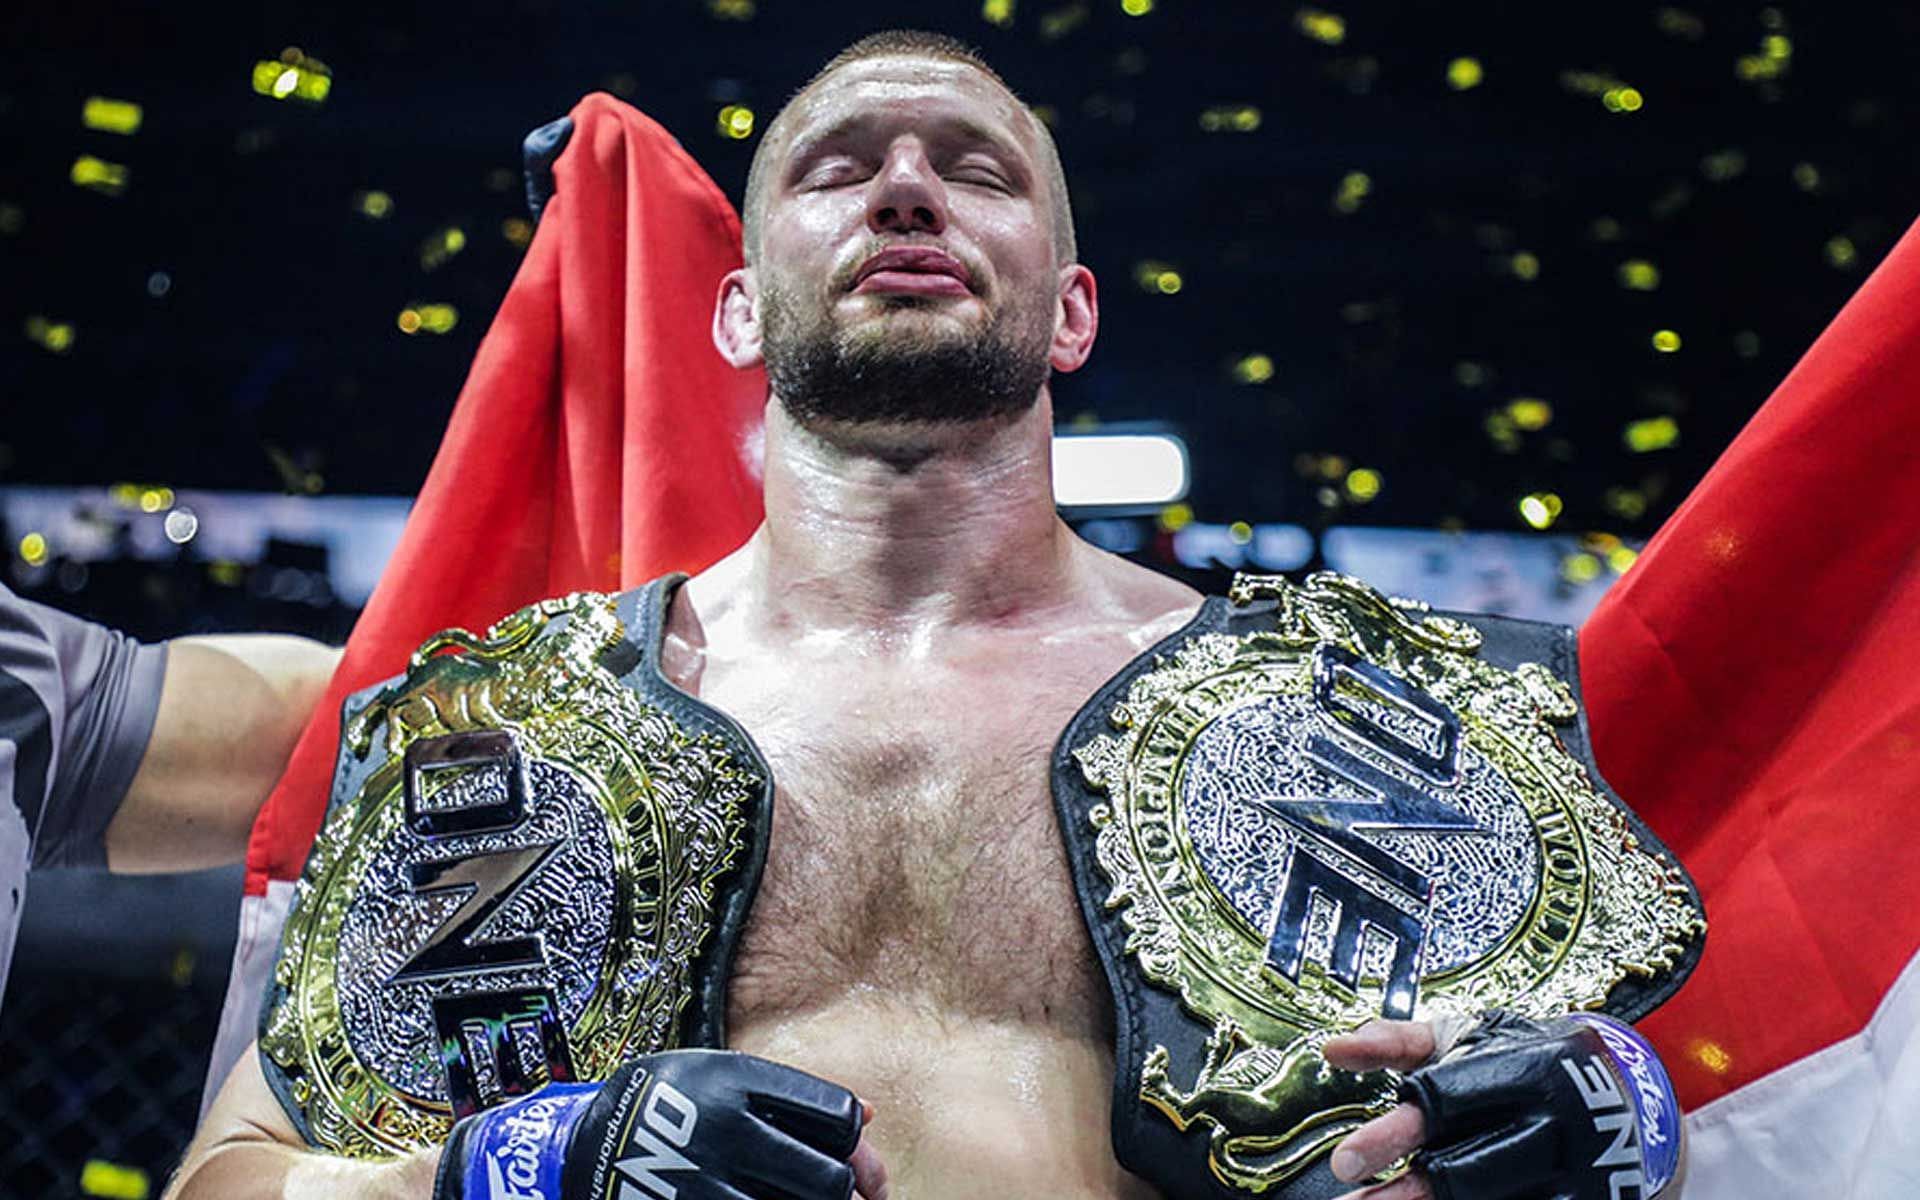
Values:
[(914, 844)]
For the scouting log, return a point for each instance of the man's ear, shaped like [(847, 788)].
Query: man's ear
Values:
[(1076, 319), (736, 320)]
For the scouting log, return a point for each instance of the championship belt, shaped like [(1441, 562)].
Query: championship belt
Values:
[(536, 859), (1316, 805)]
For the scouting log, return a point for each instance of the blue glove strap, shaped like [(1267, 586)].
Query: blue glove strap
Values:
[(1652, 1092), (515, 1152)]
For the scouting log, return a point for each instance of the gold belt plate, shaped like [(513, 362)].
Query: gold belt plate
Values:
[(1277, 802), (602, 892)]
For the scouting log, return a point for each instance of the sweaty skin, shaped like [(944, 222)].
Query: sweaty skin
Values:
[(916, 935), (904, 638)]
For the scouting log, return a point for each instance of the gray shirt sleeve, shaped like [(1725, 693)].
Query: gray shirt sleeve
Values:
[(77, 706)]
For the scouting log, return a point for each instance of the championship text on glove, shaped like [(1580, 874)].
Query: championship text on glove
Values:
[(677, 1125), (1576, 1107)]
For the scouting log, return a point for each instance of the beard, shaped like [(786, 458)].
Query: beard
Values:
[(896, 369)]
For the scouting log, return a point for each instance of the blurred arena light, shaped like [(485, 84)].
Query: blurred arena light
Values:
[(1111, 469), (1204, 546)]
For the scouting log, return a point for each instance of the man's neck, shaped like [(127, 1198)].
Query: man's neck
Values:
[(909, 531)]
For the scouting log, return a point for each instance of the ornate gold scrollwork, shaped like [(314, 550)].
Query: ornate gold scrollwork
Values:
[(662, 811), (1598, 906)]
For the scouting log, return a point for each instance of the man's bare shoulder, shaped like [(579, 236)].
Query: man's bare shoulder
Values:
[(707, 602), (1139, 603)]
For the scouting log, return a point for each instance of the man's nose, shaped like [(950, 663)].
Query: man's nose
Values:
[(907, 195)]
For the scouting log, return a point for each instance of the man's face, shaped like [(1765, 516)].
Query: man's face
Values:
[(906, 269)]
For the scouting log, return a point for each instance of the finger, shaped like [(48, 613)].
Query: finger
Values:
[(1411, 1186), (1507, 1164), (869, 1172), (1379, 1143), (1449, 1029), (824, 1115), (1397, 1045), (781, 1167)]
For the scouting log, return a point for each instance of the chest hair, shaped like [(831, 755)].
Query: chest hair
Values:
[(914, 847)]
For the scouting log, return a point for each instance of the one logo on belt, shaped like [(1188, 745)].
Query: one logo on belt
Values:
[(1370, 721), (489, 880), (499, 1027)]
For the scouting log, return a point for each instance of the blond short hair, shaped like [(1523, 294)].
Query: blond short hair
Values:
[(914, 43)]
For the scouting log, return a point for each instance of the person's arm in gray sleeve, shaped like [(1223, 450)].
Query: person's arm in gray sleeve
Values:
[(165, 752), (98, 691), (231, 708)]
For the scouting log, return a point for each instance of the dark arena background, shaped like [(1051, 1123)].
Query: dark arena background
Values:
[(1462, 298)]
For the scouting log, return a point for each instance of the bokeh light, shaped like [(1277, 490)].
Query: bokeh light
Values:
[(1540, 509), (1253, 368), (735, 121), (1322, 26)]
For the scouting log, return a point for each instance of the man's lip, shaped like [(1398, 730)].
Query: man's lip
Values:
[(912, 283), (913, 260)]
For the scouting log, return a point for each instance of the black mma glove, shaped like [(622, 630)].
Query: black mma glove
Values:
[(1576, 1107), (677, 1125)]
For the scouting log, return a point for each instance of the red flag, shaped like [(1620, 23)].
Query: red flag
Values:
[(1754, 691), (599, 441)]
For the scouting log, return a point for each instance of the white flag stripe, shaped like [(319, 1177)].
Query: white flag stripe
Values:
[(254, 953), (1843, 1122)]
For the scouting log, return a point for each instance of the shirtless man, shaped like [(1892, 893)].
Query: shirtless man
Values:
[(904, 638)]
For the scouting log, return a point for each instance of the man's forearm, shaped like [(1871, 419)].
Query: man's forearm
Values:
[(247, 1149), (231, 709), (244, 1169)]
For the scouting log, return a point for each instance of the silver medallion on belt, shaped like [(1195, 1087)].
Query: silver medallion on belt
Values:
[(1348, 815), (516, 892)]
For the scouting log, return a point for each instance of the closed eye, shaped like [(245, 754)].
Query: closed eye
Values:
[(978, 177), (833, 173), (978, 171)]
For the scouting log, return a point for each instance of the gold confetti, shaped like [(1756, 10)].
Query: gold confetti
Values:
[(1540, 509), (56, 336), (1254, 368), (294, 76), (99, 175), (1464, 74), (1322, 26), (735, 121), (1651, 433), (111, 116)]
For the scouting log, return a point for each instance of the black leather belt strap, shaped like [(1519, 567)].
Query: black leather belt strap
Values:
[(1149, 1015)]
